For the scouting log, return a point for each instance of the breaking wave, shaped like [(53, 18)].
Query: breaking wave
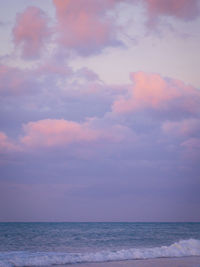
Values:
[(182, 248)]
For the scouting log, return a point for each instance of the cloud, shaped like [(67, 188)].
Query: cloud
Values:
[(87, 27), (184, 128), (16, 82), (186, 135), (60, 133), (192, 143), (191, 150), (7, 145), (84, 26), (88, 74), (52, 132), (181, 9), (31, 31), (151, 91), (50, 90)]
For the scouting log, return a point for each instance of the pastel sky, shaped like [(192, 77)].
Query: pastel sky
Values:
[(100, 110)]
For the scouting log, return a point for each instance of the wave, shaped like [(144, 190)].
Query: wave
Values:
[(182, 248)]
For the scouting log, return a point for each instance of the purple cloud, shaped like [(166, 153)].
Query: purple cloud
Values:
[(182, 9)]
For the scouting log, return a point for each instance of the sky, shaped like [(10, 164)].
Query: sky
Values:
[(99, 110)]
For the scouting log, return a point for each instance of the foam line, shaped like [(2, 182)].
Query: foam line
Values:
[(182, 248)]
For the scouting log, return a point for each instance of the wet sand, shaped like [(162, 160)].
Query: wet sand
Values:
[(161, 262)]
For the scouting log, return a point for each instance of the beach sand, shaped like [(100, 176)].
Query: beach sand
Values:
[(160, 262)]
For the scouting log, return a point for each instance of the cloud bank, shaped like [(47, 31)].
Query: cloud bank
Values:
[(87, 146)]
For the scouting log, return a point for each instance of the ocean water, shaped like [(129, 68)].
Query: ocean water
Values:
[(46, 244)]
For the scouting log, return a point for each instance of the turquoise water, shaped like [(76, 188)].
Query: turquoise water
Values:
[(61, 243)]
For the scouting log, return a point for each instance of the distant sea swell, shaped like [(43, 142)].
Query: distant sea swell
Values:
[(183, 248)]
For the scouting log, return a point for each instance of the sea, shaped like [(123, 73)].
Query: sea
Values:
[(47, 244)]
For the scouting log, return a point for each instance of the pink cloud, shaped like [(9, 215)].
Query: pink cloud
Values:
[(185, 128), (6, 145), (31, 31), (182, 9), (151, 91), (52, 132), (84, 26), (59, 133)]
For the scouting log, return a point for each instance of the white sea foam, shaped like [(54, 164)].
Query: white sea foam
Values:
[(182, 248)]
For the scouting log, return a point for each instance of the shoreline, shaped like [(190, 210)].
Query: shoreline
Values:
[(193, 261)]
